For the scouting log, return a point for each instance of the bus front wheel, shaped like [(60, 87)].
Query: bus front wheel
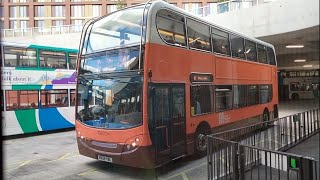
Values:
[(201, 139)]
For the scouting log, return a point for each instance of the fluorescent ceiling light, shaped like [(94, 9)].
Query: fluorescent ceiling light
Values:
[(300, 60), (307, 65), (295, 46)]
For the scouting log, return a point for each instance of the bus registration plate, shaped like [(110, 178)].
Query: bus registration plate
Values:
[(104, 158)]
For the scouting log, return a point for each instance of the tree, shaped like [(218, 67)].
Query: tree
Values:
[(121, 4)]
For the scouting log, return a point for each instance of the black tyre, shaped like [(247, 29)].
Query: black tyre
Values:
[(201, 140), (266, 117)]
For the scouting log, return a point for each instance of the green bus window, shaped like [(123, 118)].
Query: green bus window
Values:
[(19, 57), (72, 60), (53, 59), (17, 100), (72, 97), (54, 98)]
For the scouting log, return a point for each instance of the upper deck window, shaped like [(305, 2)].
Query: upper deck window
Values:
[(251, 51), (198, 35), (110, 61), (19, 57), (220, 42), (237, 46), (53, 59), (262, 54), (116, 30), (72, 60), (171, 27), (271, 58)]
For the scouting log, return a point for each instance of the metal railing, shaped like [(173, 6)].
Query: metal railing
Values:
[(25, 32), (226, 6), (252, 152)]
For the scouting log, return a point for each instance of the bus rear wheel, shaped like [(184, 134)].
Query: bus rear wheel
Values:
[(266, 117), (201, 140)]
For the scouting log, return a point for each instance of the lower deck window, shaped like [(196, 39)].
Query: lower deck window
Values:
[(253, 95), (223, 97), (265, 93), (54, 98), (201, 99), (240, 96), (16, 100)]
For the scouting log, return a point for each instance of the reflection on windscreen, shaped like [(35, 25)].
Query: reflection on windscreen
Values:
[(110, 61), (116, 30), (110, 103)]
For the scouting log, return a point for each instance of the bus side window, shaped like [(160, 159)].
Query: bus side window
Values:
[(271, 57), (2, 100), (253, 95), (220, 42), (198, 35), (171, 27), (16, 100), (53, 59), (262, 54), (223, 97), (19, 57), (54, 98), (201, 99), (237, 46), (250, 51)]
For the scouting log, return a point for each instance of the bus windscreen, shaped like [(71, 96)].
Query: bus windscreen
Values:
[(110, 103), (121, 28)]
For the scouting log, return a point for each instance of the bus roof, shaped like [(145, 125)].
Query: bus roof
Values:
[(35, 46), (162, 4)]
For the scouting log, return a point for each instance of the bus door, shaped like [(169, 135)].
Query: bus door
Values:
[(167, 121)]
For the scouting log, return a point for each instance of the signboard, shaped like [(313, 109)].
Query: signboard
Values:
[(294, 162), (197, 77), (37, 77)]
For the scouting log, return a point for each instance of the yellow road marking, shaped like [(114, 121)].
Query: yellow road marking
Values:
[(64, 156), (87, 172), (185, 171), (184, 176), (25, 162)]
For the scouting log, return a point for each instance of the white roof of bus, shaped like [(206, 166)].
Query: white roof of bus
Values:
[(161, 3)]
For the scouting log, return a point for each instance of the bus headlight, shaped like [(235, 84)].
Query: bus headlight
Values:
[(133, 143)]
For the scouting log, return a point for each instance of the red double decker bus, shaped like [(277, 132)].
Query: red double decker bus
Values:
[(154, 80)]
